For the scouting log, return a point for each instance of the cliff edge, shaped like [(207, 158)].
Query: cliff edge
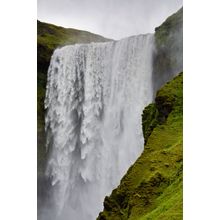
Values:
[(152, 187)]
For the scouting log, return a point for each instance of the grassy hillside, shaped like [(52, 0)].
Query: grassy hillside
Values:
[(152, 187), (49, 37)]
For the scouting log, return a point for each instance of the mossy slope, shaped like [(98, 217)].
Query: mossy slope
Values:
[(49, 37), (152, 187)]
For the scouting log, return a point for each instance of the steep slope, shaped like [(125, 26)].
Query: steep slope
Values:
[(168, 57), (152, 187), (49, 37)]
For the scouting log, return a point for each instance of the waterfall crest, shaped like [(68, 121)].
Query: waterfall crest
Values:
[(95, 96)]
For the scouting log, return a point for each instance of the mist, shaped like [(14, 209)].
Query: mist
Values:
[(113, 19)]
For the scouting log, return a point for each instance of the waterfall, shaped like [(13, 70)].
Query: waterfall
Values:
[(95, 96)]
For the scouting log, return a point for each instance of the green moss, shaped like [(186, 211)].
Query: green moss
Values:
[(149, 120), (164, 31), (152, 187), (49, 37), (170, 203)]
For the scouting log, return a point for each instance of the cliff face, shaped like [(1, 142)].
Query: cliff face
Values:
[(167, 60), (49, 37), (152, 187), (168, 57)]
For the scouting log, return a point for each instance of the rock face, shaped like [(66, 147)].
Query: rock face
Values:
[(152, 187), (168, 57)]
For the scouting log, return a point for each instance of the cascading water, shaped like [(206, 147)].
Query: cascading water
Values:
[(95, 96)]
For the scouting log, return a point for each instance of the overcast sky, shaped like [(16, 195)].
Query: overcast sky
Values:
[(114, 19)]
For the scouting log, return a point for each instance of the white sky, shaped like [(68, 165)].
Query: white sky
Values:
[(110, 18)]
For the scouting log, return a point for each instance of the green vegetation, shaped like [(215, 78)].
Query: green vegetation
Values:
[(152, 187), (172, 23), (49, 37)]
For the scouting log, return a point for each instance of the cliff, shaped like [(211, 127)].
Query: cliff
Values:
[(168, 57), (152, 187)]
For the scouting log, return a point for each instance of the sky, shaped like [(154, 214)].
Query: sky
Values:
[(113, 19)]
